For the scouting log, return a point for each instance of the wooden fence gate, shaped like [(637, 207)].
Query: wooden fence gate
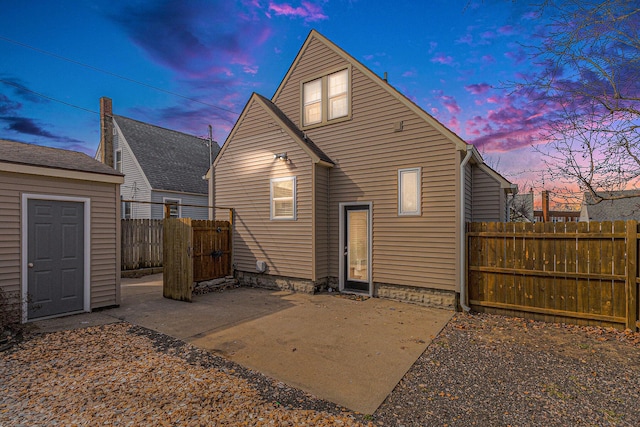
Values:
[(194, 251), (582, 273)]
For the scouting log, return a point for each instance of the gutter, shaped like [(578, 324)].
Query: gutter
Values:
[(463, 234)]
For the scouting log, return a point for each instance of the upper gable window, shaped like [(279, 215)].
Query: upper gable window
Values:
[(338, 106), (326, 98), (313, 102), (118, 161)]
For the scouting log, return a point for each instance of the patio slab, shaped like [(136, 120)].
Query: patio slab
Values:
[(348, 351)]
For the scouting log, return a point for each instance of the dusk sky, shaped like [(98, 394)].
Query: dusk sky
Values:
[(186, 64)]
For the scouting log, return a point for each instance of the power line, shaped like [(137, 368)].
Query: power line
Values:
[(91, 67), (46, 97)]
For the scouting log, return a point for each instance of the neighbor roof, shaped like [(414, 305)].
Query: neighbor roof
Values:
[(55, 158), (614, 210), (170, 160)]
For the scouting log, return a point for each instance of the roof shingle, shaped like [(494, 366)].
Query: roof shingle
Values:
[(171, 160)]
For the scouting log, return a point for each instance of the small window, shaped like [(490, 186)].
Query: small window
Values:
[(283, 198), (338, 106), (118, 161), (409, 191), (175, 210), (312, 102), (126, 210)]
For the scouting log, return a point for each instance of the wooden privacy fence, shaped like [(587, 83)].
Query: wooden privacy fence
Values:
[(194, 251), (581, 273), (141, 243)]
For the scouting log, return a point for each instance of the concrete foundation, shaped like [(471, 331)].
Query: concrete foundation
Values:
[(426, 297)]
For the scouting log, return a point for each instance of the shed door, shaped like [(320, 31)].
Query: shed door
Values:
[(55, 278)]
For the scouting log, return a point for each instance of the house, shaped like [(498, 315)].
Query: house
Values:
[(624, 205), (339, 181), (548, 215), (59, 230), (159, 166)]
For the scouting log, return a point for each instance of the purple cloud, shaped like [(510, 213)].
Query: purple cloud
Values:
[(8, 106), (506, 30), (488, 59), (308, 11), (27, 126), (450, 104), (465, 39), (441, 58), (478, 89), (517, 55)]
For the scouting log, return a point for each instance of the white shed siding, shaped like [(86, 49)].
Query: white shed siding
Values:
[(157, 211), (105, 266), (135, 185)]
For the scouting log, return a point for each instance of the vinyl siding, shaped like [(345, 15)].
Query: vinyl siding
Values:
[(321, 222), (135, 186), (242, 181), (105, 274), (488, 197), (468, 193), (418, 251), (157, 211)]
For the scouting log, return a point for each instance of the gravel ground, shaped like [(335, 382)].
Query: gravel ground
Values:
[(497, 371), (480, 370)]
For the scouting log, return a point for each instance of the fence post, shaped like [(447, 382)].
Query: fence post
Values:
[(632, 272)]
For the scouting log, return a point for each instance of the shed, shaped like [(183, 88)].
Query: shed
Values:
[(60, 230)]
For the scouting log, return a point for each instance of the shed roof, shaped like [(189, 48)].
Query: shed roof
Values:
[(21, 153), (170, 160), (617, 209)]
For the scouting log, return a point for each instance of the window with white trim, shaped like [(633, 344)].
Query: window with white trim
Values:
[(409, 191), (126, 210), (283, 198), (325, 98), (175, 210), (118, 161)]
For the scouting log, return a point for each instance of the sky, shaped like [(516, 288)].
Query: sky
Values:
[(185, 65)]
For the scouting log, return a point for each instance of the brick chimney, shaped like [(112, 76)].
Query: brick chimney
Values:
[(106, 131), (545, 206)]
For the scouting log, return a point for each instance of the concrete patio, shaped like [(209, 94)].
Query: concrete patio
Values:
[(349, 351)]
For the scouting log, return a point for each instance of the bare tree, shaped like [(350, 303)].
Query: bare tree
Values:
[(589, 59)]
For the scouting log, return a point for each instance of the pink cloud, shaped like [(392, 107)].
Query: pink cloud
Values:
[(478, 89), (506, 30), (488, 35), (465, 39), (488, 59), (442, 59), (410, 73), (454, 124), (450, 104), (308, 11), (432, 46)]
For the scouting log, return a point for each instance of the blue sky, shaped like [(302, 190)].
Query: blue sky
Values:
[(187, 64)]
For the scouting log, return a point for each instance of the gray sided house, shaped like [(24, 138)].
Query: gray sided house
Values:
[(340, 181), (59, 230), (159, 165), (625, 205)]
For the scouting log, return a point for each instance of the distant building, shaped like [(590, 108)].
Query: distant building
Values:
[(548, 215), (625, 205), (159, 166)]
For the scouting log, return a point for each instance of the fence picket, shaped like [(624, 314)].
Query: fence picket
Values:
[(577, 273)]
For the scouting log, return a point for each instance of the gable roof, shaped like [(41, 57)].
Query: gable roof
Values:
[(316, 154), (627, 207), (313, 34), (171, 160), (20, 153)]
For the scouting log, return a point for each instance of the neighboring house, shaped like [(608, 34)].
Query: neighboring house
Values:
[(159, 165), (522, 207), (341, 181), (59, 230), (625, 207)]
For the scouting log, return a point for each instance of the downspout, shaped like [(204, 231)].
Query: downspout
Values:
[(463, 234)]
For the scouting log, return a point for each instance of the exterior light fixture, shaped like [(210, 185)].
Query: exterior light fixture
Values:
[(281, 156)]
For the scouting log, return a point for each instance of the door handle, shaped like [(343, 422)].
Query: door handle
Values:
[(30, 265)]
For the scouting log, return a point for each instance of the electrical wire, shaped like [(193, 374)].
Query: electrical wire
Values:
[(91, 67), (46, 97)]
